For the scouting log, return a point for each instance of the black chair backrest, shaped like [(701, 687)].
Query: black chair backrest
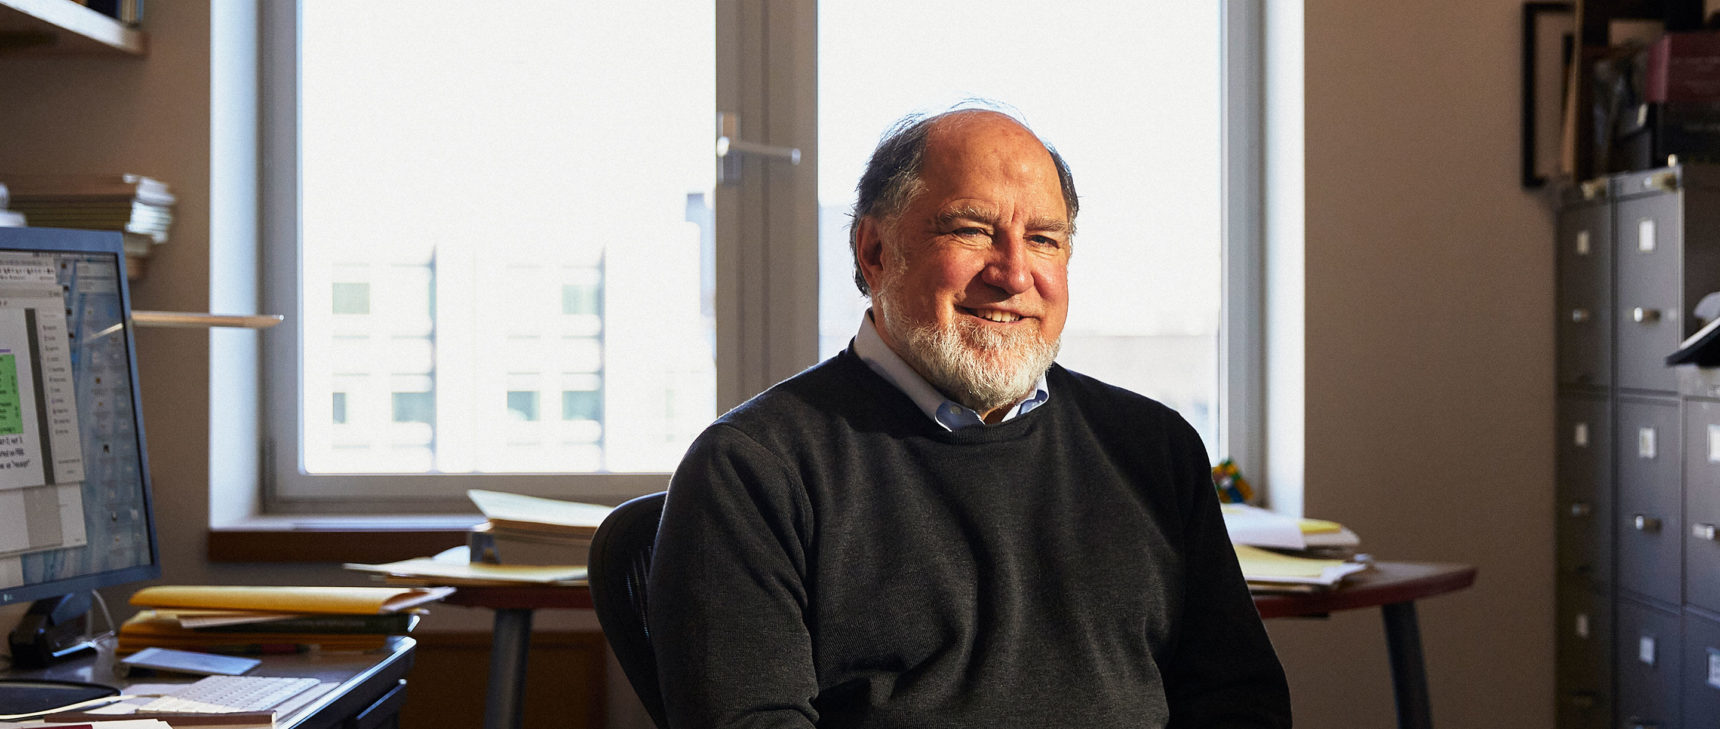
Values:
[(619, 567)]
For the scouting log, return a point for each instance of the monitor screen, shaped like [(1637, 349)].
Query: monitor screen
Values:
[(74, 478)]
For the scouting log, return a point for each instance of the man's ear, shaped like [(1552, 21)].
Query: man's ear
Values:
[(869, 250)]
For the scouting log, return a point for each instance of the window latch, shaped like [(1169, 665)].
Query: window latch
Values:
[(731, 148)]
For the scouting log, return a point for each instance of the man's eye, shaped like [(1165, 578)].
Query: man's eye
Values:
[(1047, 241), (970, 231)]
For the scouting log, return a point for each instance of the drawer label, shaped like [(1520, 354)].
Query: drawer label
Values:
[(1714, 444), (1583, 626), (1645, 235), (1645, 443), (1582, 242), (1714, 667), (1645, 649), (1581, 436)]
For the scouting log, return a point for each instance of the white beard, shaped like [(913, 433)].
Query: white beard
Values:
[(978, 366)]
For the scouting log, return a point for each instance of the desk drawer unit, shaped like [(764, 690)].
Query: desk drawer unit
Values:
[(1583, 492), (1702, 504), (1648, 656), (1585, 304), (1649, 498)]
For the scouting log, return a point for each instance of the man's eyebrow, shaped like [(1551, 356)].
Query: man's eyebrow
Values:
[(966, 212), (989, 217)]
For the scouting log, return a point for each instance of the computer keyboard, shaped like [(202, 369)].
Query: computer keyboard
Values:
[(230, 694)]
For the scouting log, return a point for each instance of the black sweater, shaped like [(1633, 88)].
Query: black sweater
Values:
[(829, 556)]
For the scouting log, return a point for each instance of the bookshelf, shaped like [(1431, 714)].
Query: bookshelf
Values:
[(62, 27)]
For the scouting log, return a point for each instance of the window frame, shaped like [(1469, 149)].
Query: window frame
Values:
[(757, 246)]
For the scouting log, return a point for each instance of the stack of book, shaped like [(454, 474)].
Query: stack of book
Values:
[(527, 530), (272, 619), (139, 207)]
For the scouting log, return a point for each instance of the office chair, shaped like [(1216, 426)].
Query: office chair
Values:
[(618, 568)]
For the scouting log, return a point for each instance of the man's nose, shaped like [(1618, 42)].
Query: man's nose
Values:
[(1009, 268)]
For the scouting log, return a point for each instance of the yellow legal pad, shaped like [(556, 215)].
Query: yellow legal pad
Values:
[(326, 600)]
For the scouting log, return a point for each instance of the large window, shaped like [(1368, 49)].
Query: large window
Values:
[(507, 263), (1128, 92)]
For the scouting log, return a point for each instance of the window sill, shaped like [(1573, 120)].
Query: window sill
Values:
[(336, 539)]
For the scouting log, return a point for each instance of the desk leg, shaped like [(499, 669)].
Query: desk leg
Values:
[(506, 698), (1409, 671)]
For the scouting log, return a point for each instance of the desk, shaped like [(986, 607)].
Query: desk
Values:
[(505, 697), (372, 685), (1393, 587)]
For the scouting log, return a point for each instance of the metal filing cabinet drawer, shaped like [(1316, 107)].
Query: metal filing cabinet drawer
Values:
[(1649, 654), (1583, 492), (1648, 235), (1701, 671), (1585, 303), (1702, 503), (1649, 498), (1584, 645)]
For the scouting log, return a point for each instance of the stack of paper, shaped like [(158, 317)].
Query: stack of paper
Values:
[(527, 530), (272, 619), (454, 567), (1268, 571), (139, 207), (1258, 527)]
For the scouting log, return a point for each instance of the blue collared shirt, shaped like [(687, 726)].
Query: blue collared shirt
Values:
[(948, 413)]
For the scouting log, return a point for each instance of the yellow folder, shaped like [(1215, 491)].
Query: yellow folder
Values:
[(335, 600)]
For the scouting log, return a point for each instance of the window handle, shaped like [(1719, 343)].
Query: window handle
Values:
[(730, 149)]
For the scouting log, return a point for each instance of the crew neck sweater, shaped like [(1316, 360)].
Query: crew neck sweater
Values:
[(830, 557)]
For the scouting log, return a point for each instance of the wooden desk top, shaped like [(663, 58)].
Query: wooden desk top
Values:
[(1385, 584)]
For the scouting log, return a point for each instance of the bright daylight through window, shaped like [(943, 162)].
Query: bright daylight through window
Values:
[(506, 232)]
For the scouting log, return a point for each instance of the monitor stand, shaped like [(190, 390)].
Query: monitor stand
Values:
[(55, 629)]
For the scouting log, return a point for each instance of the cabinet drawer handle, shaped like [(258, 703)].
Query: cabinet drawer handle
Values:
[(1593, 188), (1664, 181), (1646, 524), (1705, 531), (1645, 316), (1640, 724), (1580, 316), (1583, 699), (1580, 509)]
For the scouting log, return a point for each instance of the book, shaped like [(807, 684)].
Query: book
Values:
[(317, 600), (535, 515), (88, 187), (490, 544)]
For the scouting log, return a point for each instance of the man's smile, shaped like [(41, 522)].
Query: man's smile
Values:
[(993, 315)]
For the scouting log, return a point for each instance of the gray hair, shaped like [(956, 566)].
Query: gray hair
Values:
[(892, 176)]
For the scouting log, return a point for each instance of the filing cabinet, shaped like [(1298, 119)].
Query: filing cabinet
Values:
[(1649, 655), (1637, 497), (1701, 670), (1702, 504)]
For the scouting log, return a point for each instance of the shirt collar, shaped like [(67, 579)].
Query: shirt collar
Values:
[(949, 414)]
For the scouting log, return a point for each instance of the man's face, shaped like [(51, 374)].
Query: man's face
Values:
[(971, 280)]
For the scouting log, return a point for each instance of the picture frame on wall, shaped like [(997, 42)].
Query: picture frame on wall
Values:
[(1549, 44)]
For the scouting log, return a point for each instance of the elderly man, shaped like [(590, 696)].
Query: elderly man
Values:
[(940, 527)]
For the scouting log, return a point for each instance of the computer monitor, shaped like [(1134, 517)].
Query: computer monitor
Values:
[(75, 510)]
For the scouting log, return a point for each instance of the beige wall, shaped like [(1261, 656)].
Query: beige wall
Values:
[(1428, 355), (1428, 344)]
